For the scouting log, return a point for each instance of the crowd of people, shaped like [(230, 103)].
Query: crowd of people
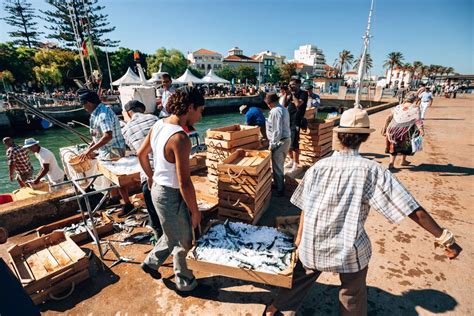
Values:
[(334, 196)]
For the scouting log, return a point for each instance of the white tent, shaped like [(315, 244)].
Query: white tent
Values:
[(211, 77), (129, 78), (188, 77), (155, 77)]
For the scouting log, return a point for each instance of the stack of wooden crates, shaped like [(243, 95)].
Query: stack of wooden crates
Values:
[(222, 142), (315, 141), (244, 185)]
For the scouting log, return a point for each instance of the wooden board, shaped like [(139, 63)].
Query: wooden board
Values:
[(322, 131), (319, 124), (242, 160), (245, 216), (232, 132), (228, 144), (310, 113), (244, 178), (120, 180)]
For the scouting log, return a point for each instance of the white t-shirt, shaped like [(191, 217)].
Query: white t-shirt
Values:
[(55, 174), (164, 95), (426, 97)]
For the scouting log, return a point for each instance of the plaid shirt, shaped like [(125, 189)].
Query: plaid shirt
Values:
[(137, 129), (19, 159), (103, 120), (335, 195)]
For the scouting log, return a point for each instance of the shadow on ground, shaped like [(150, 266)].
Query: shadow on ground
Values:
[(323, 299), (444, 170), (100, 277)]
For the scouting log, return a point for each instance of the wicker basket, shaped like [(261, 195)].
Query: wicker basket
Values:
[(80, 166)]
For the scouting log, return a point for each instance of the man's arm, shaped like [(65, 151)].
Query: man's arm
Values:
[(276, 121), (107, 137), (44, 170), (11, 170), (424, 219), (143, 152), (181, 146)]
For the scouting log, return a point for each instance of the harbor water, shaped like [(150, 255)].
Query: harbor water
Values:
[(55, 138)]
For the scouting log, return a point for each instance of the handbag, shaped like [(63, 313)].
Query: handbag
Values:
[(417, 143)]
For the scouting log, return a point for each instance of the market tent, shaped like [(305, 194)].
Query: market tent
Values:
[(129, 78), (211, 77), (158, 76), (188, 77)]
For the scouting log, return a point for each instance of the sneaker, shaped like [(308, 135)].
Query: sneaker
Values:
[(182, 287), (149, 270), (126, 209)]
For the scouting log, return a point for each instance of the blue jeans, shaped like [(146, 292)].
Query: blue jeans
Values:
[(177, 235)]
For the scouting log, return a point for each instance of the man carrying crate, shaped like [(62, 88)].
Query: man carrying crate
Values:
[(335, 197)]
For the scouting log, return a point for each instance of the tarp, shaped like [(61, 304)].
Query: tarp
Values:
[(188, 77), (129, 78), (211, 77)]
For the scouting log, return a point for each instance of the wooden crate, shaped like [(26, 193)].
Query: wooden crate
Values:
[(228, 144), (102, 229), (283, 279), (217, 153), (249, 162), (310, 113), (252, 189), (232, 132), (247, 208), (48, 264), (121, 180)]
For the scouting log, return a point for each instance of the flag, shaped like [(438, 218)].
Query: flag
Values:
[(136, 56), (87, 47)]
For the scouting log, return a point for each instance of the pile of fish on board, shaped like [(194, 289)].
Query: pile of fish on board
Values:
[(246, 246), (78, 228)]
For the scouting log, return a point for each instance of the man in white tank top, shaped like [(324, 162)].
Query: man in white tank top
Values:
[(172, 191)]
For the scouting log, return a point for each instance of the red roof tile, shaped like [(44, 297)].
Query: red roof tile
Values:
[(204, 51)]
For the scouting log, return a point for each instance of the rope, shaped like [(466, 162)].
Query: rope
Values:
[(234, 177), (66, 111)]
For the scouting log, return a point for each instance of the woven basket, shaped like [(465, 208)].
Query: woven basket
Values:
[(80, 166)]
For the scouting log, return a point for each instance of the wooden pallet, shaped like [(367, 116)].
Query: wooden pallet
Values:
[(48, 264)]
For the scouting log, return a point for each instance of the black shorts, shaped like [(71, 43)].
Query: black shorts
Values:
[(295, 139)]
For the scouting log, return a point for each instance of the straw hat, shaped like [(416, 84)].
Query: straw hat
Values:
[(354, 121), (30, 142)]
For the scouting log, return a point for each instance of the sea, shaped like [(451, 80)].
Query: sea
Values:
[(55, 138)]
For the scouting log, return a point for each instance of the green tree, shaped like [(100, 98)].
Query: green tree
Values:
[(21, 16), (393, 59), (197, 72), (173, 62), (6, 79), (227, 73), (120, 60), (275, 75), (19, 61), (61, 26), (344, 61), (246, 74), (287, 71), (56, 67)]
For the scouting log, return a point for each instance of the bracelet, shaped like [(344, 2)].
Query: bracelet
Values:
[(446, 239)]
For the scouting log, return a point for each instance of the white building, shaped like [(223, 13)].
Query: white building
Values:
[(311, 55), (205, 60), (399, 76), (237, 58)]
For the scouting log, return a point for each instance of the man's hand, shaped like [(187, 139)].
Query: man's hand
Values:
[(453, 251), (11, 178), (36, 181), (149, 182), (195, 219)]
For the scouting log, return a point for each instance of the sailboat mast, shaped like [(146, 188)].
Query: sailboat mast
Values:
[(362, 61)]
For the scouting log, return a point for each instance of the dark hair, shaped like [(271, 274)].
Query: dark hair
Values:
[(296, 80), (352, 140), (284, 85), (180, 101), (166, 75), (271, 97)]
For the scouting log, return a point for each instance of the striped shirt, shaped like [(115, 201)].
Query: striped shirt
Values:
[(336, 195), (103, 120), (19, 159)]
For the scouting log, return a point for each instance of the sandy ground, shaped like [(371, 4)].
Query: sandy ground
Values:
[(407, 276)]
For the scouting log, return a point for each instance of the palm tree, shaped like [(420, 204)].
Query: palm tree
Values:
[(344, 61), (368, 62), (449, 70), (393, 59), (424, 71), (416, 68)]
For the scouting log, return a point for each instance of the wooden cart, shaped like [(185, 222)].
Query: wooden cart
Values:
[(49, 265), (282, 279)]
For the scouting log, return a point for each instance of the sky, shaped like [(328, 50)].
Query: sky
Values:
[(433, 32)]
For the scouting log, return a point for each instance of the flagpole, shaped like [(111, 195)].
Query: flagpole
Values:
[(362, 61), (78, 42), (108, 68)]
